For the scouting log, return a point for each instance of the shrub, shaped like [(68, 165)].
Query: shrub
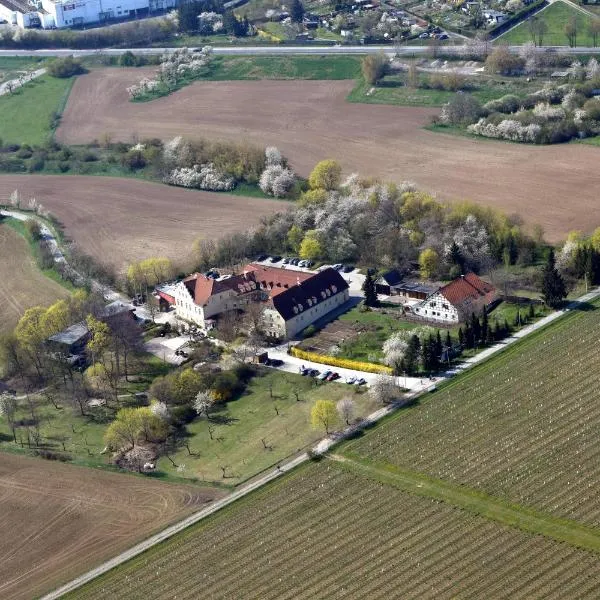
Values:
[(343, 363), (65, 67), (592, 109), (277, 181), (36, 164), (204, 177), (506, 104), (461, 109), (127, 59), (374, 67)]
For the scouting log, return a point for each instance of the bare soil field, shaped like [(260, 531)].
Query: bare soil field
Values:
[(57, 521), (22, 284), (555, 186), (119, 220)]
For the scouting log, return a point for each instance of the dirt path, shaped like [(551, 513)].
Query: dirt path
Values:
[(555, 186)]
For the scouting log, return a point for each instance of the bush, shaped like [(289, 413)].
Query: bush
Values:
[(127, 59), (374, 67), (25, 152), (65, 67), (36, 164), (506, 104), (461, 109), (343, 363)]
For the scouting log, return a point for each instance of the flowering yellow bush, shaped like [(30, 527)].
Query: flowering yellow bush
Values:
[(344, 363)]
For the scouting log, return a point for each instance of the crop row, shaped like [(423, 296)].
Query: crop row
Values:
[(327, 533), (524, 426)]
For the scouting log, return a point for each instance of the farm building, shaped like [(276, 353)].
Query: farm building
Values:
[(456, 300), (50, 14), (392, 283), (291, 300), (70, 341)]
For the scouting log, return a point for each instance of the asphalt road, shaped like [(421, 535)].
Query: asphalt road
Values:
[(280, 50)]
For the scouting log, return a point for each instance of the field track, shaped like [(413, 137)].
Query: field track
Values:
[(22, 285), (555, 186), (57, 520), (118, 220)]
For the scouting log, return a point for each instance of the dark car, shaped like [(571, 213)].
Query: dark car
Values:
[(348, 268), (276, 362), (262, 257), (275, 259), (332, 377)]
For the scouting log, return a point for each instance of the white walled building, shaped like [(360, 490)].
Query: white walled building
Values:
[(291, 300), (68, 13), (457, 300)]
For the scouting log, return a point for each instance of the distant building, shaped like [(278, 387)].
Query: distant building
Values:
[(50, 14), (457, 300), (290, 300), (392, 283)]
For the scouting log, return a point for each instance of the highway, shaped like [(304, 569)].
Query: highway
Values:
[(284, 50)]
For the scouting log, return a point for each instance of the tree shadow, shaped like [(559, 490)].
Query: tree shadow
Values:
[(222, 420), (390, 84), (582, 306)]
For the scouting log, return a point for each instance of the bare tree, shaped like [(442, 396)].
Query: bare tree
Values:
[(345, 408), (8, 408)]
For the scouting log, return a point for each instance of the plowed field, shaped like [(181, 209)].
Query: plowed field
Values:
[(118, 220), (57, 521), (555, 186), (22, 284)]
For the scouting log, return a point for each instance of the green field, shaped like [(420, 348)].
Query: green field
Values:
[(329, 532), (12, 66), (522, 427), (556, 16), (392, 90), (240, 427), (26, 113), (284, 67)]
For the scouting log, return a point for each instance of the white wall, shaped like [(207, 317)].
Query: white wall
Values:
[(67, 13), (310, 315), (437, 308)]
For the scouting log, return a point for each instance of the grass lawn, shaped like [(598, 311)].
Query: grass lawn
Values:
[(65, 430), (241, 426), (26, 113), (12, 66), (391, 90), (284, 67), (556, 16)]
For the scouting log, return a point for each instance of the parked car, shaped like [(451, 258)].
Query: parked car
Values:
[(324, 375), (332, 377), (286, 261), (313, 372), (360, 381), (309, 263), (302, 263), (350, 380), (262, 257), (275, 259), (348, 268), (337, 266), (276, 362)]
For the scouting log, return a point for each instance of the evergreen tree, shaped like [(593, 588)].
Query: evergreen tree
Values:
[(497, 333), (297, 11), (187, 16), (531, 314), (485, 328), (476, 329), (411, 356), (517, 320), (439, 348), (553, 286), (448, 339), (461, 337), (456, 257), (369, 290), (469, 337), (506, 328)]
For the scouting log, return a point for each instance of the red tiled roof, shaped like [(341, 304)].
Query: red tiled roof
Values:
[(466, 287), (274, 277)]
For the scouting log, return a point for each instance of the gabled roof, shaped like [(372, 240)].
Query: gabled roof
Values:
[(314, 290), (274, 277), (466, 287), (391, 277), (71, 335)]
